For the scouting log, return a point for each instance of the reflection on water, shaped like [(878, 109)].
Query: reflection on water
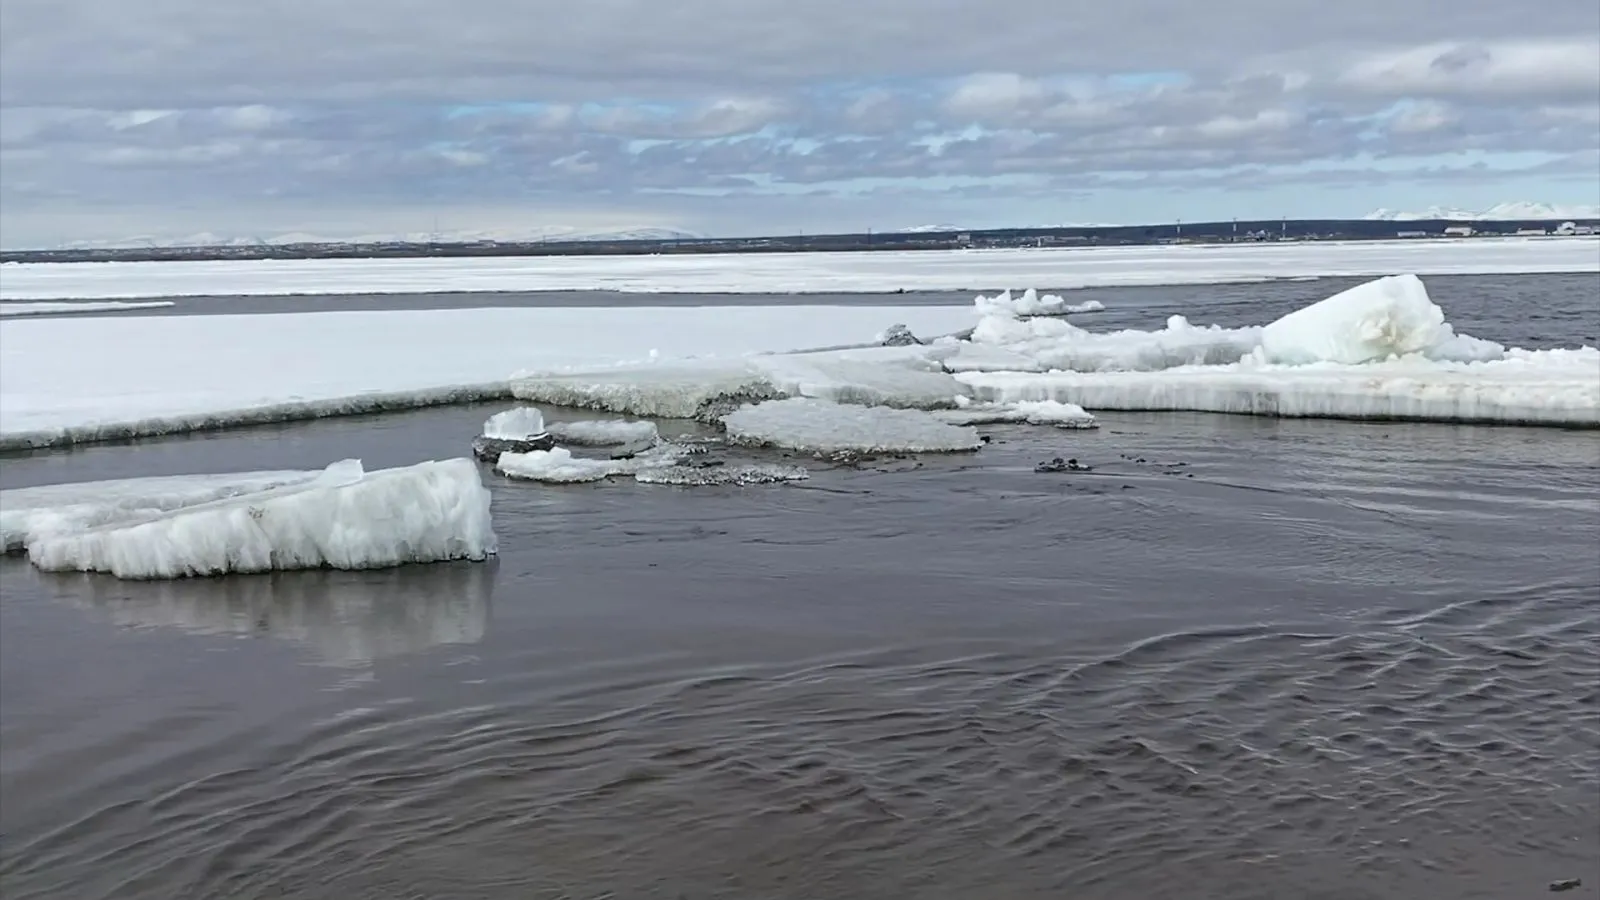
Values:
[(349, 618)]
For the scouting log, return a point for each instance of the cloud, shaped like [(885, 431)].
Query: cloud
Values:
[(360, 107)]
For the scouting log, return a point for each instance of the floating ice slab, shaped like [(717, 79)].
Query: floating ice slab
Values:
[(1040, 412), (61, 309), (604, 432), (517, 424), (905, 377), (694, 389), (878, 272), (519, 430), (27, 514), (1030, 303), (83, 379), (343, 519), (820, 426), (1058, 344), (558, 465), (1551, 387)]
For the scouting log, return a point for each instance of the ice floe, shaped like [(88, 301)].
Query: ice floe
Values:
[(342, 517), (604, 432), (559, 465), (821, 426), (28, 514), (1382, 349), (759, 273), (1028, 412), (1030, 303), (519, 430), (92, 378)]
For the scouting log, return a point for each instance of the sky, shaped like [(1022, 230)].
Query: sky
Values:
[(125, 119)]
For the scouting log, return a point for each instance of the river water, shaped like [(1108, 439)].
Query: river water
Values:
[(1241, 658)]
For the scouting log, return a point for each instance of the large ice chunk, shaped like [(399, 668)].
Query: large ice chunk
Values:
[(906, 377), (27, 514), (1028, 412), (1031, 304), (1550, 387), (813, 425), (1370, 322), (1059, 344), (517, 424), (343, 519), (695, 389), (604, 432), (558, 465), (519, 430)]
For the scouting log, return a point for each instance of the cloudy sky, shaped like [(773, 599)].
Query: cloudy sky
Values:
[(351, 117)]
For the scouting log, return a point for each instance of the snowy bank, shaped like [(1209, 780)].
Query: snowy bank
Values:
[(66, 381), (782, 273), (341, 518)]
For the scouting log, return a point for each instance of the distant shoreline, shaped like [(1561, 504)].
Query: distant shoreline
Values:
[(1255, 232)]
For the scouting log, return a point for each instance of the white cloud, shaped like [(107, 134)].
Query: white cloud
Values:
[(366, 106)]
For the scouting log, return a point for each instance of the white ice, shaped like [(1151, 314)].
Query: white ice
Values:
[(27, 514), (57, 309), (558, 465), (1030, 412), (924, 270), (603, 432), (906, 377), (344, 518), (1029, 303), (1377, 320), (83, 379), (811, 425), (1381, 349), (517, 424), (1554, 387)]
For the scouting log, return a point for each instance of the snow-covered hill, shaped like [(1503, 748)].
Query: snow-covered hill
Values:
[(1500, 212)]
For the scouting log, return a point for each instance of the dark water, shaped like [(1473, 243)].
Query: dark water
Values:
[(1243, 658)]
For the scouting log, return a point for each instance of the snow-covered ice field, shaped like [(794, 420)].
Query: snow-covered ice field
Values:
[(867, 272), (66, 380)]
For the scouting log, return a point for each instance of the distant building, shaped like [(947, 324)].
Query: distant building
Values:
[(1531, 232), (1459, 231), (1411, 234)]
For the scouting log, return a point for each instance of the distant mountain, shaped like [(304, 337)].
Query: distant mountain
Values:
[(536, 235), (1500, 212)]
